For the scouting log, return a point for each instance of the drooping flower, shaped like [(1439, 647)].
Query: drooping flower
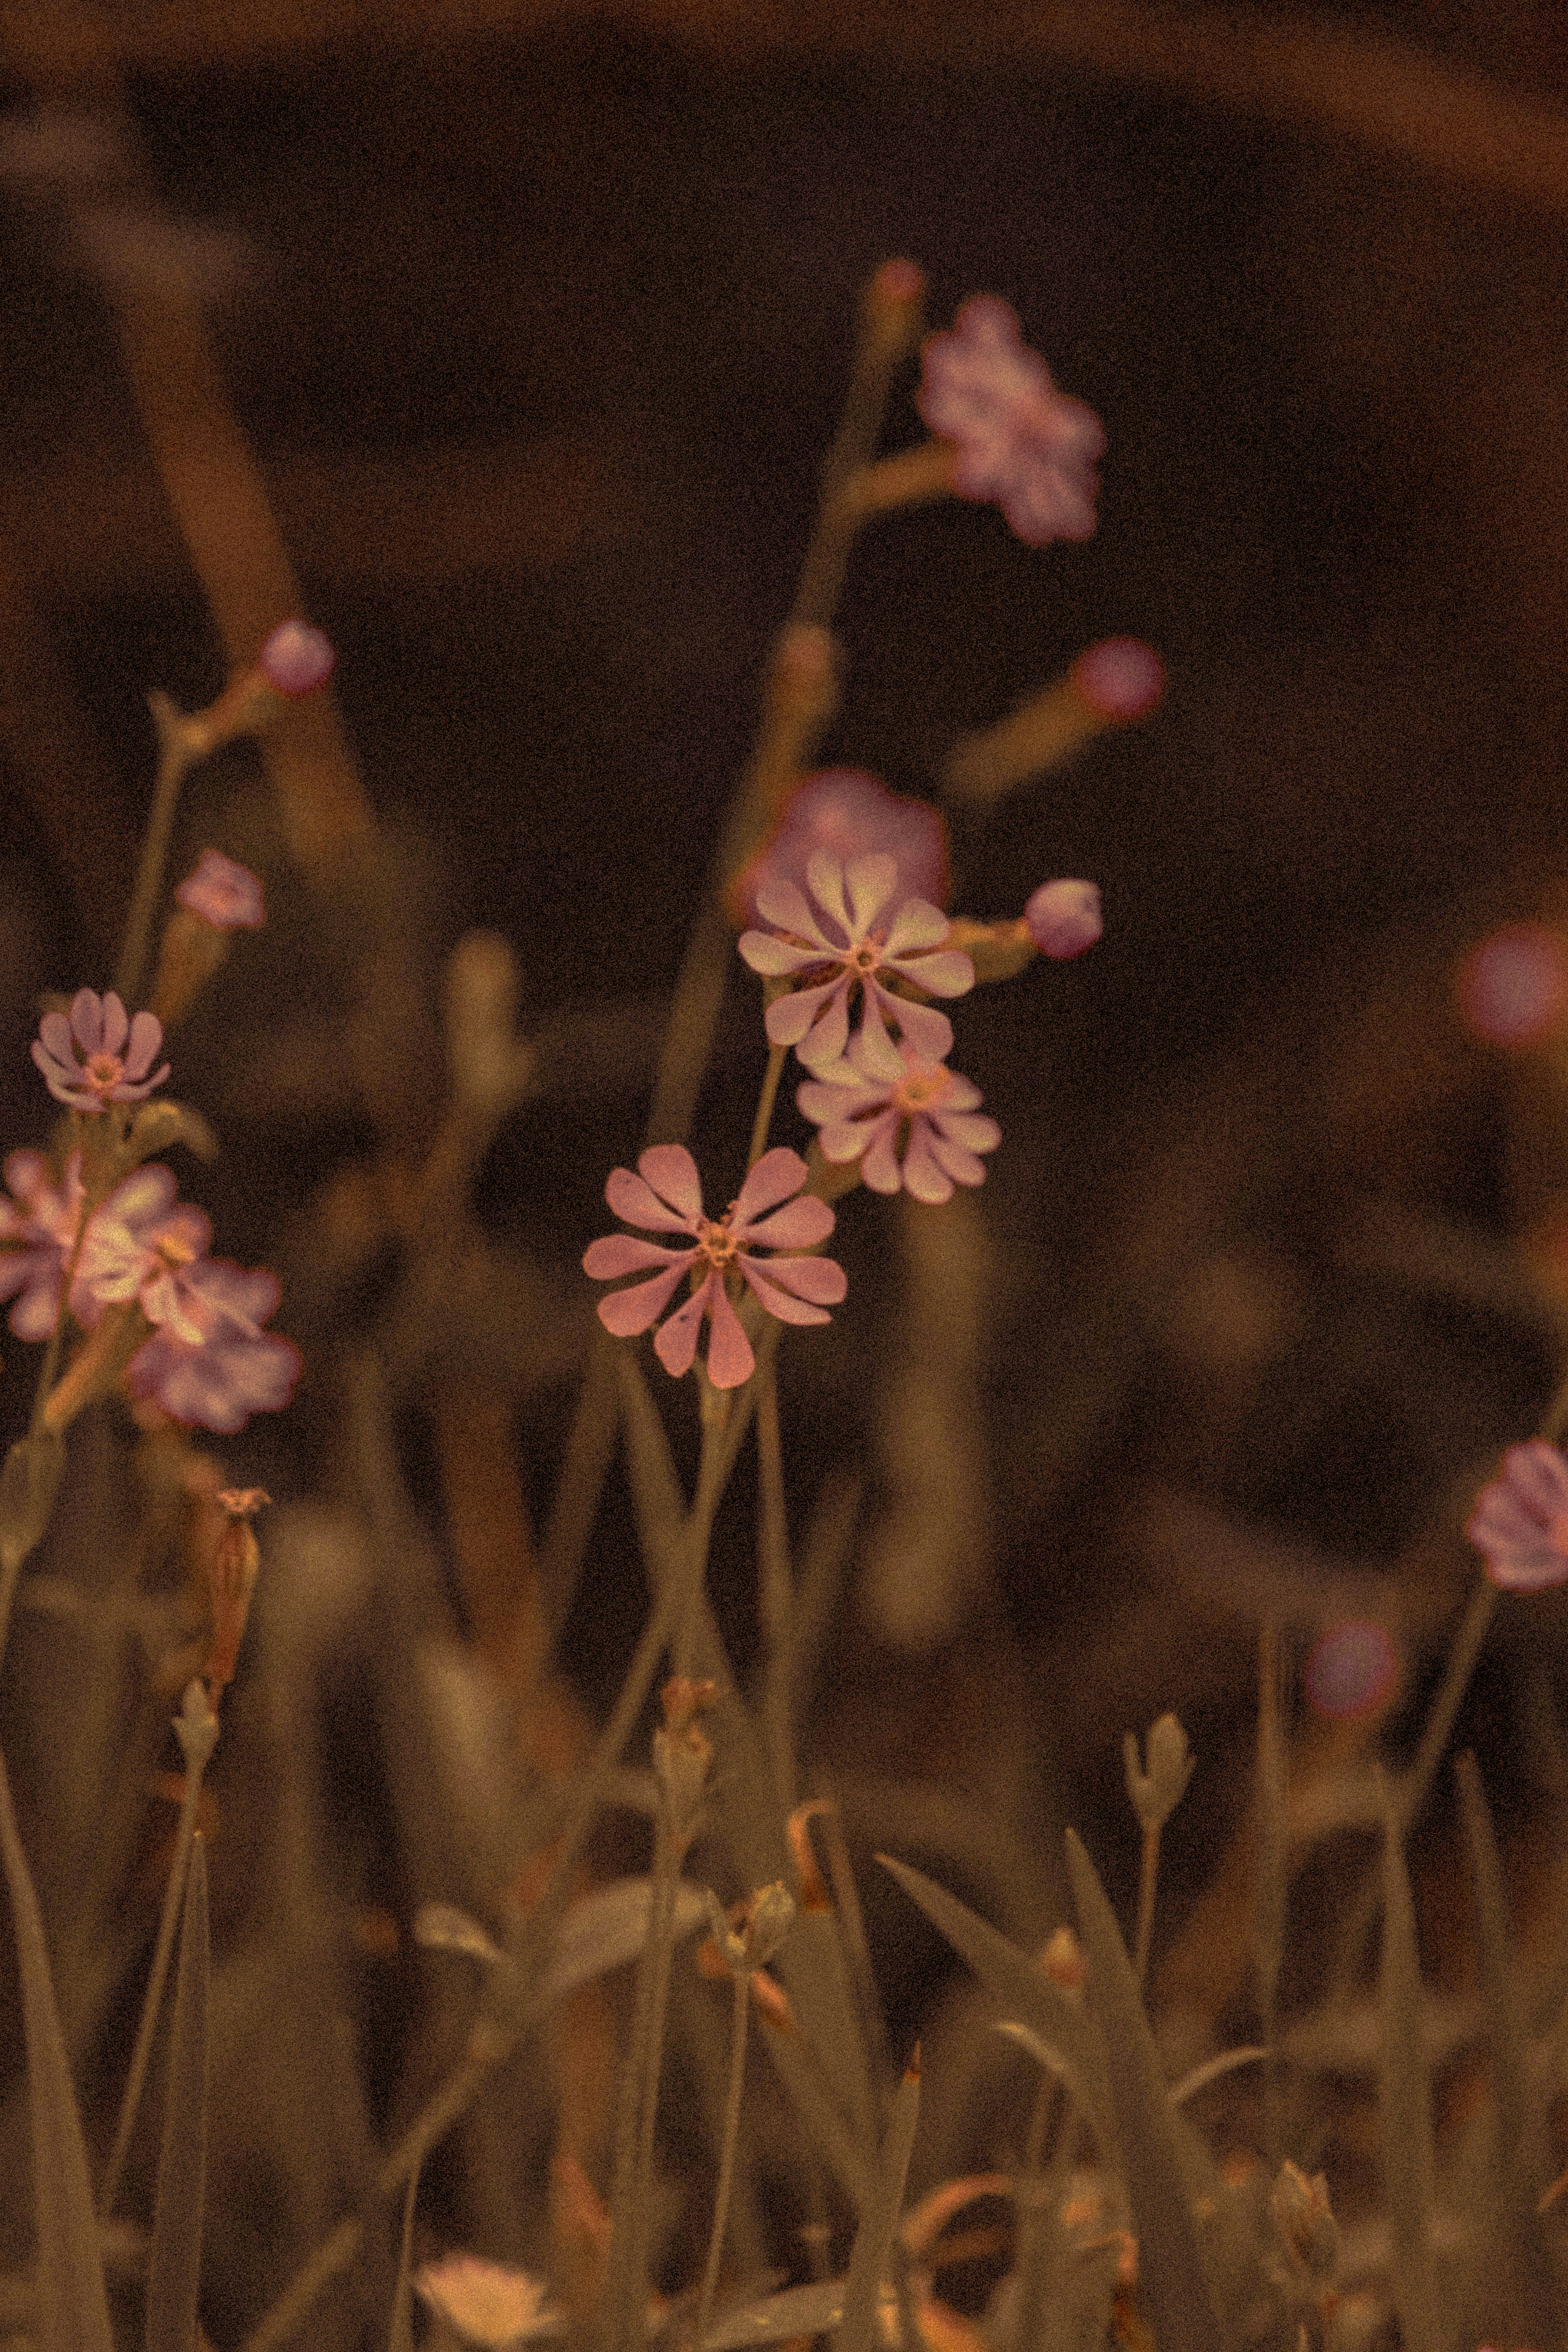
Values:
[(666, 1197), (1018, 440), (97, 1056), (143, 1243), (222, 894), (923, 1129), (854, 815), (1521, 1521), (860, 928), (38, 1233), (296, 658), (1063, 919), (235, 1367)]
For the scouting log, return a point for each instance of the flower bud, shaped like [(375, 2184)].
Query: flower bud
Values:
[(1512, 990), (231, 1578), (1063, 1961), (297, 658), (490, 1063), (1064, 918), (1301, 2215), (1157, 1791)]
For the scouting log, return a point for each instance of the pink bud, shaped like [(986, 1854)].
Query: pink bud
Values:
[(1512, 990), (1352, 1668), (1064, 918), (899, 281), (1121, 679), (297, 658)]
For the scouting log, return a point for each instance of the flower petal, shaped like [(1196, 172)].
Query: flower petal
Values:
[(624, 1254), (821, 1279), (869, 882), (789, 1017), (948, 972), (875, 1052), (782, 1303), (730, 1356), (801, 1225), (627, 1312), (879, 1165), (927, 1033), (675, 1342), (55, 1033), (146, 1036), (777, 1175), (672, 1172), (924, 1176), (640, 1204), (91, 1021), (918, 924), (830, 1033), (824, 879), (780, 902), (953, 1158), (765, 953), (971, 1133)]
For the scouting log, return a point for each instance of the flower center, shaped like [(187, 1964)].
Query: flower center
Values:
[(716, 1242), (103, 1071), (864, 956), (923, 1084)]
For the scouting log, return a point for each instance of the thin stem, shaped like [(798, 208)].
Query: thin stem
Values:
[(765, 1102), (726, 2157), (776, 1594), (1272, 1869), (199, 1743), (174, 760), (1148, 1877), (625, 2287)]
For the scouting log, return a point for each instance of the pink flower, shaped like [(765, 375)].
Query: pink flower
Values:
[(37, 1234), (931, 1107), (1121, 679), (851, 814), (815, 1019), (297, 658), (118, 1052), (487, 2303), (235, 1367), (667, 1197), (1513, 989), (1019, 441), (1521, 1521), (143, 1243), (1064, 918), (222, 894)]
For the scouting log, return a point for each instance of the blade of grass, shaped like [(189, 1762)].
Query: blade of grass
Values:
[(73, 2310), (400, 2336), (1404, 2097), (1272, 1875), (1173, 2288), (873, 2238), (174, 2263)]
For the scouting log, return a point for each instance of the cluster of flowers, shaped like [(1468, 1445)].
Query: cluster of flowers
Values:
[(207, 1358), (841, 907)]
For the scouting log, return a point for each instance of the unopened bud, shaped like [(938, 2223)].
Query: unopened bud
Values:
[(1111, 685), (1063, 919), (1308, 2231), (1063, 1961), (231, 1578), (765, 1923), (489, 1064), (297, 658), (1156, 1792)]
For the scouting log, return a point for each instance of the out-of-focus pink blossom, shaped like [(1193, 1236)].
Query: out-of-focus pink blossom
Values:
[(859, 929), (1064, 918), (1512, 990), (38, 1233), (97, 1056), (922, 1130), (235, 1367), (1019, 441), (1121, 679), (297, 658), (143, 1242), (488, 2305), (1352, 1668), (222, 894), (853, 815), (1520, 1521), (666, 1197)]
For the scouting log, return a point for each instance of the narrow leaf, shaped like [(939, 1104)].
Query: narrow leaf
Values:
[(73, 2310), (800, 2071), (1404, 2098), (609, 1927), (796, 2311), (1173, 2288), (873, 2238), (1024, 1991), (400, 2337), (174, 2263)]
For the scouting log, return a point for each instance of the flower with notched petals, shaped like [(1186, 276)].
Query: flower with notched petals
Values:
[(38, 1233), (98, 1056), (235, 1367), (142, 1244), (224, 894), (1018, 441), (863, 1116), (860, 928), (1521, 1521), (666, 1197)]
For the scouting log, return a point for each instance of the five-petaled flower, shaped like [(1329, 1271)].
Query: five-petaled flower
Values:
[(865, 929), (1521, 1521), (1017, 439), (143, 1243), (666, 1197), (224, 894), (863, 1115), (98, 1056), (38, 1233)]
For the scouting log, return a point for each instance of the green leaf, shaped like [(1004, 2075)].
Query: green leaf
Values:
[(1173, 2288), (873, 2238), (1404, 2097), (174, 2265), (776, 2318), (1025, 1989), (73, 2310)]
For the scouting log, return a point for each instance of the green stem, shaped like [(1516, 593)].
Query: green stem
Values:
[(765, 1102), (174, 761), (776, 1594), (727, 2156), (1148, 1877)]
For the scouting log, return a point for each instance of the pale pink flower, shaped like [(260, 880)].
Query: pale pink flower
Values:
[(853, 814), (222, 894), (861, 928), (923, 1129), (296, 658), (488, 2304), (97, 1056), (1063, 919), (666, 1197), (38, 1233), (1019, 441), (143, 1243), (235, 1367), (1521, 1521)]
